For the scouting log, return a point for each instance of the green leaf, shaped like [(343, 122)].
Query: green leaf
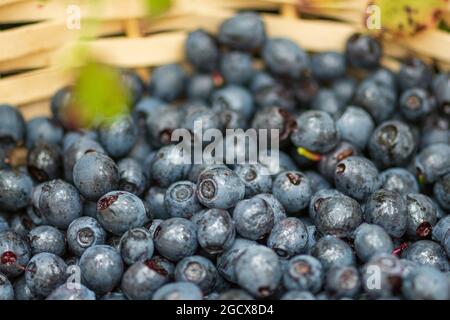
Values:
[(158, 6), (408, 17), (99, 95)]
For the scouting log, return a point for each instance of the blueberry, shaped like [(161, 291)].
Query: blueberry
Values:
[(215, 230), (328, 161), (414, 73), (288, 237), (155, 199), (143, 278), (136, 245), (118, 136), (43, 130), (343, 282), (146, 108), (433, 162), (47, 239), (236, 67), (254, 218), (318, 197), (133, 84), (168, 166), (4, 224), (274, 118), (318, 182), (333, 252), (328, 65), (220, 187), (392, 144), (198, 270), (140, 150), (371, 239), (226, 261), (357, 177), (399, 180), (178, 291), (6, 289), (434, 136), (114, 296), (344, 89), (60, 104), (203, 115), (244, 31), (441, 91), (235, 294), (233, 98), (376, 98), (326, 100), (387, 209), (181, 199), (12, 126), (201, 50), (101, 268), (176, 238), (21, 224), (283, 57), (293, 190), (442, 191), (298, 295), (276, 95), (132, 176), (15, 188), (416, 103), (75, 152), (119, 211), (167, 82), (440, 229), (63, 292), (84, 233), (261, 79), (44, 162), (95, 174), (304, 273), (44, 273), (256, 178), (382, 276), (200, 87), (385, 76), (427, 253), (161, 123), (338, 215), (59, 203), (23, 292), (355, 126), (446, 243), (363, 51), (425, 283), (422, 215), (316, 131), (258, 270)]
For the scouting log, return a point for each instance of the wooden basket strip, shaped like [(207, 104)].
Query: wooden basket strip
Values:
[(56, 9), (36, 109), (33, 86), (43, 36)]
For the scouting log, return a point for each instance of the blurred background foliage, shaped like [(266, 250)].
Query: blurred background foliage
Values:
[(99, 95)]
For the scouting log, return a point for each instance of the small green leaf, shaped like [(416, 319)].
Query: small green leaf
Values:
[(158, 6), (408, 17), (99, 95)]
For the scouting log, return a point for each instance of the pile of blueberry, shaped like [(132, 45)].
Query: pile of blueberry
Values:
[(359, 208)]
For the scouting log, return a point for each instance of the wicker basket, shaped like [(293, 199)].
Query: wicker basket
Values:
[(30, 54)]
